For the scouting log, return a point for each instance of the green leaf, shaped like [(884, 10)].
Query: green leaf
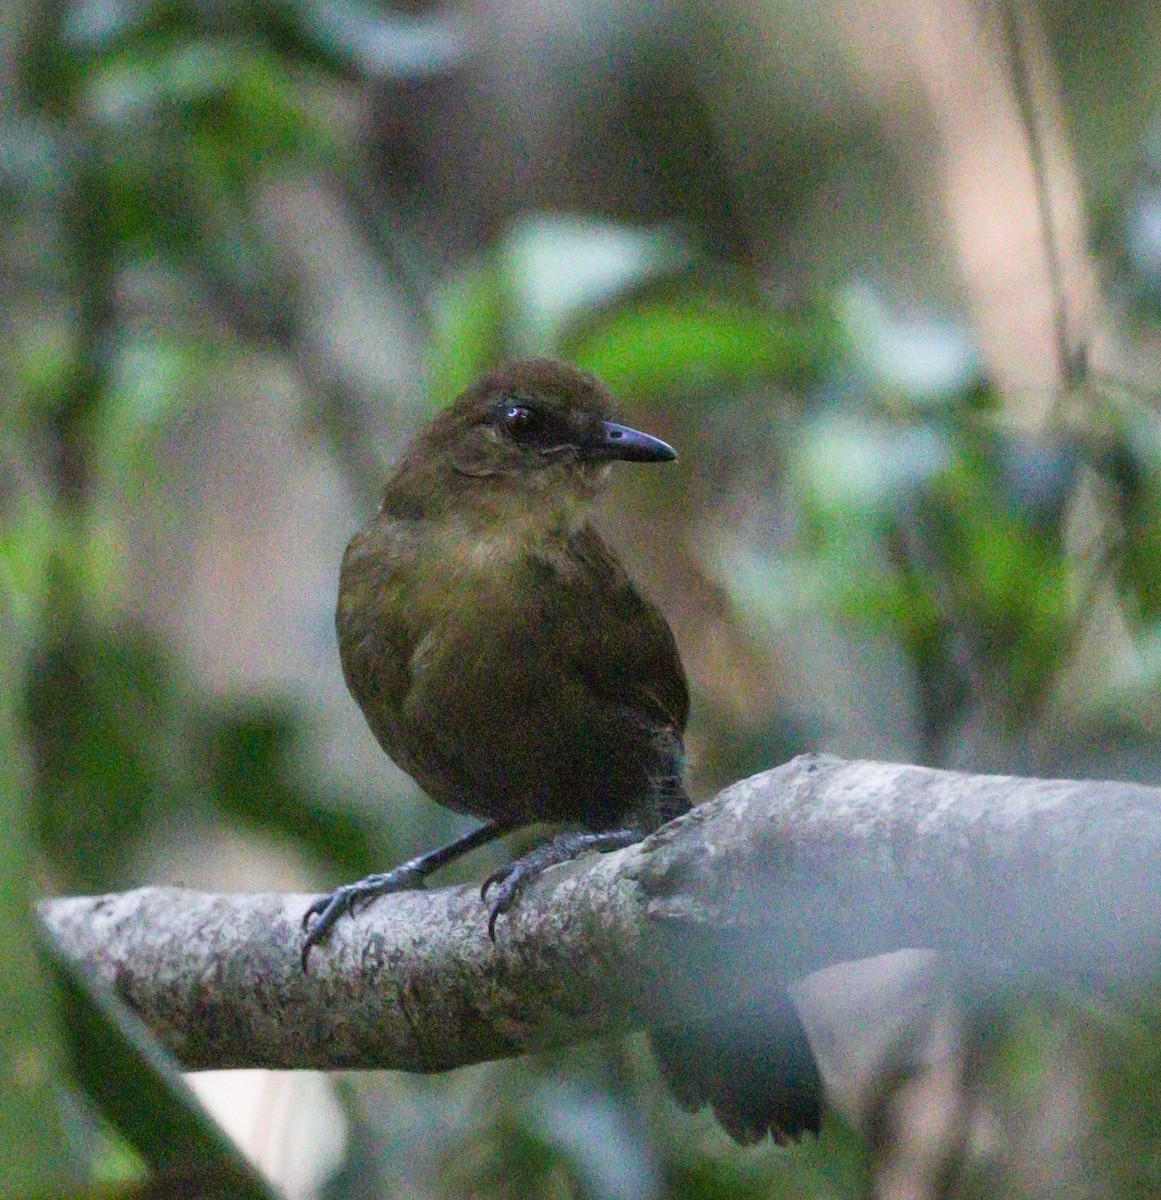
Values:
[(101, 706), (1133, 462), (187, 130), (561, 268), (245, 92), (695, 340), (29, 539), (136, 1084), (470, 322), (1006, 581), (981, 561), (133, 85), (272, 116), (34, 1156)]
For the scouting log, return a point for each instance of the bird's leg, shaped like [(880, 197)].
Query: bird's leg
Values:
[(564, 847), (352, 896)]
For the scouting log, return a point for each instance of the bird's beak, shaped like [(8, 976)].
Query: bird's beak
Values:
[(629, 445)]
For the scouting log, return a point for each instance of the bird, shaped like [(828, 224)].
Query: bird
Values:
[(504, 659)]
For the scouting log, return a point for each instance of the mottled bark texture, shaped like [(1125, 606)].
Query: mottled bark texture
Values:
[(814, 863)]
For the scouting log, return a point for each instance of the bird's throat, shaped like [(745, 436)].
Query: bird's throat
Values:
[(491, 548)]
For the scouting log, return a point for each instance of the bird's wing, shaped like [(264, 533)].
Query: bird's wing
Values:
[(376, 636), (623, 649)]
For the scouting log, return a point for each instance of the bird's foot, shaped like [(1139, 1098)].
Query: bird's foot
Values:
[(350, 898), (510, 880)]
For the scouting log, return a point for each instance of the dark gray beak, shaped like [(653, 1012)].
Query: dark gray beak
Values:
[(630, 445)]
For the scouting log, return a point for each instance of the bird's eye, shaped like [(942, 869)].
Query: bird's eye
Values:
[(520, 420)]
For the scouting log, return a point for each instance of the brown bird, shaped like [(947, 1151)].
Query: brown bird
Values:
[(504, 659)]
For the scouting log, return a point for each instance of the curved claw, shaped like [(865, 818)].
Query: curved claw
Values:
[(328, 909), (503, 903), (316, 906), (562, 848), (497, 876), (509, 880), (352, 898)]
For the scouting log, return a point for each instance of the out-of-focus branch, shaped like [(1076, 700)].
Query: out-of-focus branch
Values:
[(817, 862)]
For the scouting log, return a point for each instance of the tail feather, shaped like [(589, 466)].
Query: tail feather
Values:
[(752, 1064), (753, 1067)]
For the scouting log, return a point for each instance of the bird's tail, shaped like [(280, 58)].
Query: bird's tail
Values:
[(751, 1063), (753, 1067)]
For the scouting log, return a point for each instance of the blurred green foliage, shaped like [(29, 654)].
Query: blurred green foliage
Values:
[(32, 1126), (144, 277)]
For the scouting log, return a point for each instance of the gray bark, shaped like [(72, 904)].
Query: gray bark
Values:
[(814, 863)]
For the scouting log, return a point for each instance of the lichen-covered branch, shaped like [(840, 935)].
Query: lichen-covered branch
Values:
[(816, 862)]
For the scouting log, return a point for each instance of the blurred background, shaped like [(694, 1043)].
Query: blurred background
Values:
[(886, 272)]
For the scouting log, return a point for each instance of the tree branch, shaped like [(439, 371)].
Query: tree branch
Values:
[(814, 863)]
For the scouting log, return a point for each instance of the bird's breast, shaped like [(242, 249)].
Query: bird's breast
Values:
[(446, 599), (470, 657)]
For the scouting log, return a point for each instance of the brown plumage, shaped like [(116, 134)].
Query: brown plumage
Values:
[(478, 583), (502, 656)]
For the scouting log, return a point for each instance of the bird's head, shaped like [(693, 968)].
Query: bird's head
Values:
[(535, 432)]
